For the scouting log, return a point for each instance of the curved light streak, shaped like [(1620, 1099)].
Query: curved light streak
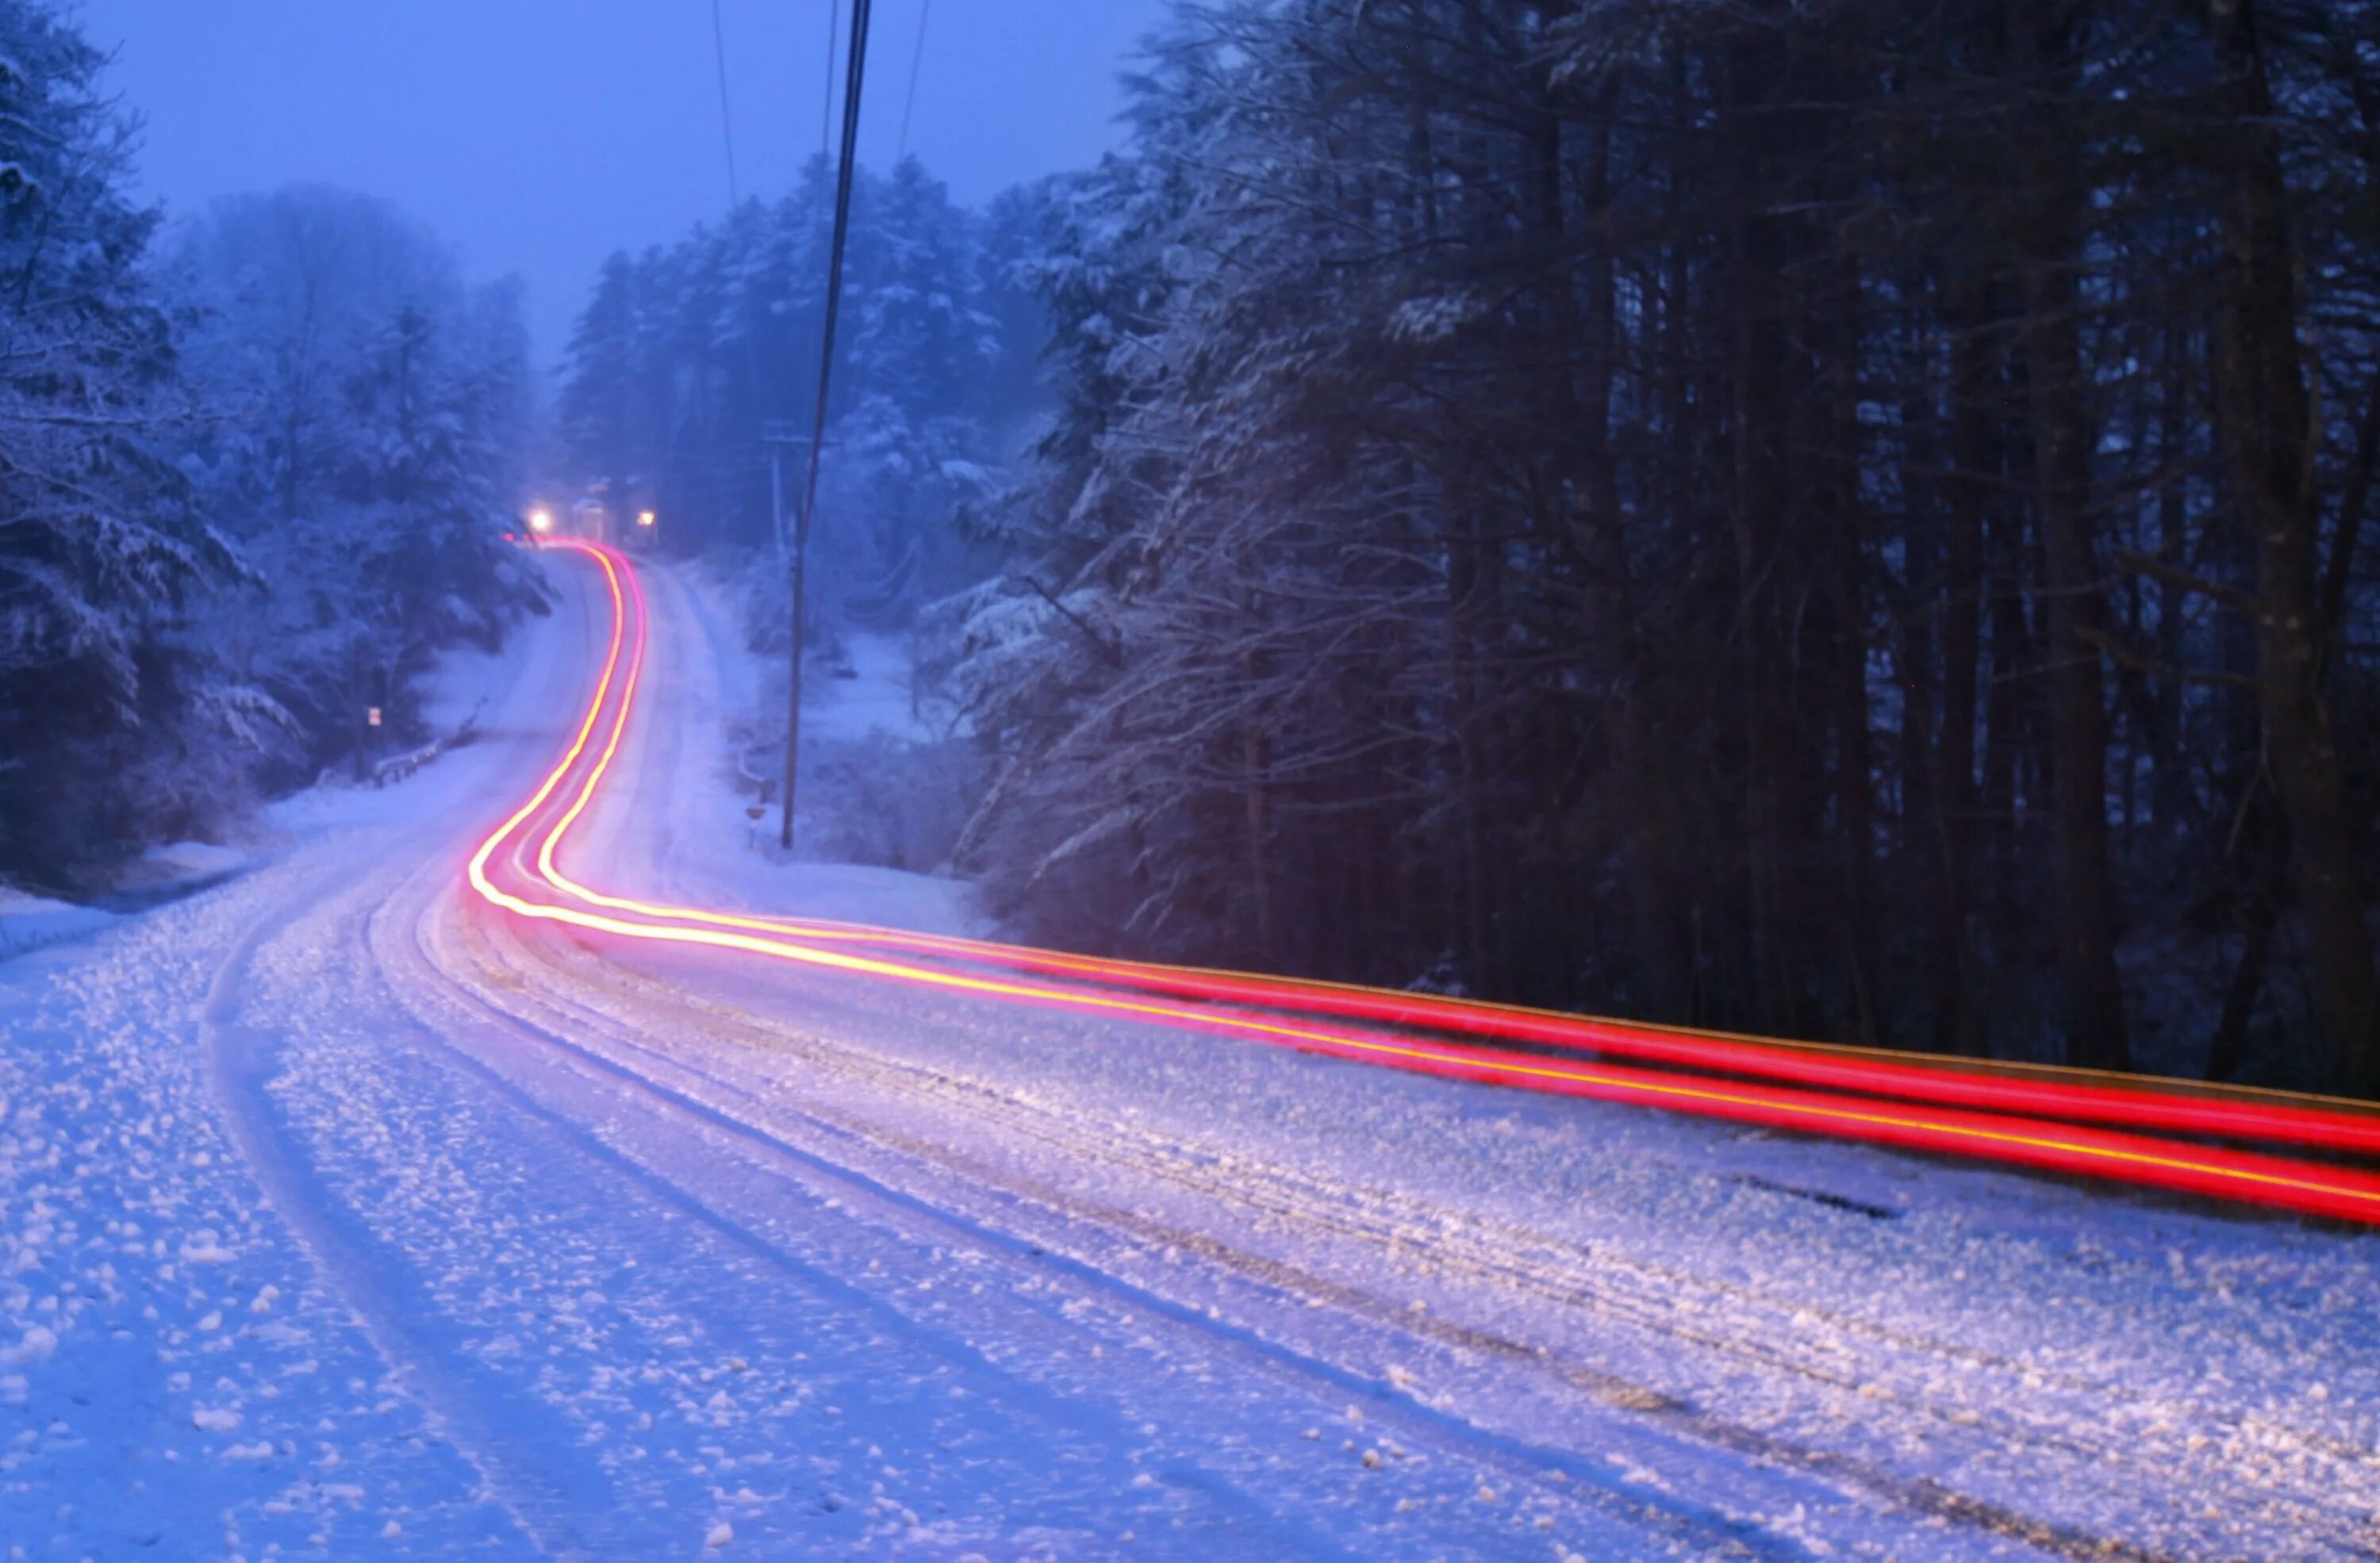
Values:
[(1840, 1092)]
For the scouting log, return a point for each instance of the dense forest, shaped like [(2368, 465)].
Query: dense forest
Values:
[(253, 477), (688, 359), (1838, 519)]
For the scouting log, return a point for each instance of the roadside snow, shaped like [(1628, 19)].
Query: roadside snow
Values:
[(144, 1404), (176, 1379), (162, 874), (870, 690), (710, 845), (29, 922)]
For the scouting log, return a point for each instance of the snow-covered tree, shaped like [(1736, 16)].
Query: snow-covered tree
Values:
[(103, 696), (1815, 518), (365, 450), (683, 356)]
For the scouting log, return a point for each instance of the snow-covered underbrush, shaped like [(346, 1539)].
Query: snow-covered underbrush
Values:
[(890, 802), (889, 776)]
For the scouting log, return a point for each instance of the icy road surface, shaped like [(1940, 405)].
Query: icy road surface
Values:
[(341, 1217)]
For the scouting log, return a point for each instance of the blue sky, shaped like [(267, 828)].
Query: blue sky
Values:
[(539, 135)]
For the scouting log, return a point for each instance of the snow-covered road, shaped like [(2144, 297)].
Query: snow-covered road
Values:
[(343, 1214)]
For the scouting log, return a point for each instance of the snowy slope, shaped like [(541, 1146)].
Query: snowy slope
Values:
[(701, 845), (340, 1219), (29, 921)]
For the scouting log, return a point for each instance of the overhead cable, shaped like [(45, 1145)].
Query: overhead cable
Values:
[(916, 57), (854, 73), (726, 120)]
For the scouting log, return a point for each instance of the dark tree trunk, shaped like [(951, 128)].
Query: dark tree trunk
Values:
[(1854, 756), (2170, 787), (1975, 390), (2259, 901), (2268, 427), (2083, 918), (1756, 284), (2084, 913)]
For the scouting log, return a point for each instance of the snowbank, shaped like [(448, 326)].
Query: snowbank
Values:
[(29, 922), (159, 875)]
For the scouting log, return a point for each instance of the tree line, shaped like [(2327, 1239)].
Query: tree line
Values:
[(1834, 518), (688, 357), (254, 475)]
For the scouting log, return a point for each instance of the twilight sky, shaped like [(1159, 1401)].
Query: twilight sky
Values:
[(539, 135)]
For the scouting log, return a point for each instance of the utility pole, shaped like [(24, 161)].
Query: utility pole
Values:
[(854, 72), (793, 689), (777, 434)]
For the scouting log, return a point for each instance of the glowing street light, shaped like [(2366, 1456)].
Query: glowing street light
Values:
[(541, 520), (644, 519)]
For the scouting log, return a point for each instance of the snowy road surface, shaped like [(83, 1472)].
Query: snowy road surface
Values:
[(342, 1215)]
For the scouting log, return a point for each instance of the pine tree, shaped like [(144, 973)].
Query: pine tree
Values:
[(99, 547)]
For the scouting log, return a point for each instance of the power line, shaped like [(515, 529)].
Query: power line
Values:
[(734, 201), (726, 120), (854, 73), (916, 57), (826, 103)]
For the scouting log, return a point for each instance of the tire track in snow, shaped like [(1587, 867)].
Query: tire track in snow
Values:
[(241, 1062), (438, 1004), (564, 1506), (2342, 1526), (565, 1032), (613, 982)]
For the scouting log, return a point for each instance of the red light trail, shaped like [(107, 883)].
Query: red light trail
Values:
[(2097, 1125)]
